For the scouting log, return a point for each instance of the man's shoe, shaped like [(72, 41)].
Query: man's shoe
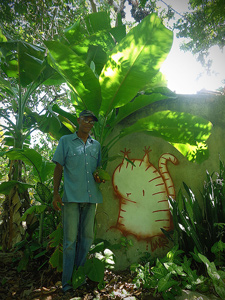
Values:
[(68, 291)]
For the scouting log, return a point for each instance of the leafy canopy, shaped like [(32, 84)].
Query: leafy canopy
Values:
[(125, 81)]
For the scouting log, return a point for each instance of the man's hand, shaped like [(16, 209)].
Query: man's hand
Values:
[(57, 202), (97, 178)]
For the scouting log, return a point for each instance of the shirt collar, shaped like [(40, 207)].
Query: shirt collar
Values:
[(75, 136)]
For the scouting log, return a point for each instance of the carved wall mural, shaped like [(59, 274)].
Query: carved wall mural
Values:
[(143, 193)]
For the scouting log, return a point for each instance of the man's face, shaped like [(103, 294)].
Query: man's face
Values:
[(86, 124)]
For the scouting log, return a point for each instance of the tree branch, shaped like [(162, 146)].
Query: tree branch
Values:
[(93, 6), (169, 6)]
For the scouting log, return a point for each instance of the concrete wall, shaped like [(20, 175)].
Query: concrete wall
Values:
[(210, 107)]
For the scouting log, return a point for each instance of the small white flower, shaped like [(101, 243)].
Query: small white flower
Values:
[(219, 181)]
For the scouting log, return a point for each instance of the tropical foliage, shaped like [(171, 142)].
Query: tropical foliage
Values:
[(109, 72), (114, 74), (175, 272), (198, 258), (121, 78), (199, 225), (24, 69)]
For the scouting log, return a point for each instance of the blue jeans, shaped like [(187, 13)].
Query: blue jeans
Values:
[(78, 235)]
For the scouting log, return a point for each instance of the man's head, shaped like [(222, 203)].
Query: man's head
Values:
[(88, 113), (86, 121)]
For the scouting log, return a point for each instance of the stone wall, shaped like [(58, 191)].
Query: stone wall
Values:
[(129, 210)]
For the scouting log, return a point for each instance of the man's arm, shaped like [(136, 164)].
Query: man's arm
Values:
[(57, 180)]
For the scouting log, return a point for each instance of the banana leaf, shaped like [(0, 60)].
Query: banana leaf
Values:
[(134, 62), (173, 127), (22, 61), (65, 114), (139, 102), (76, 72), (6, 187), (5, 86), (28, 156)]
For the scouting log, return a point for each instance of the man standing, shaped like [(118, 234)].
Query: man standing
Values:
[(77, 156)]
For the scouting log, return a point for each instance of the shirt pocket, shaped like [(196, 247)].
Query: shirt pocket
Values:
[(73, 157)]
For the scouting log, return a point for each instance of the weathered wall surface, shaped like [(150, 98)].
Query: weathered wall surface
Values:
[(134, 202)]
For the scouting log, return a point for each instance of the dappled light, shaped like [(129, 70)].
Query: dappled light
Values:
[(78, 75), (175, 127), (116, 76), (135, 61)]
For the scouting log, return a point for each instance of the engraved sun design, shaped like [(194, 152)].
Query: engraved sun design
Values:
[(143, 193)]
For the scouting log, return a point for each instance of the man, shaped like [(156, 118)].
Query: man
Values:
[(77, 156)]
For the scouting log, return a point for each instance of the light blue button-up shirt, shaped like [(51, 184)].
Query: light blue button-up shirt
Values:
[(79, 161)]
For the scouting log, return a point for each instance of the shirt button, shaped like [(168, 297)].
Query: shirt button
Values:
[(88, 181), (86, 163)]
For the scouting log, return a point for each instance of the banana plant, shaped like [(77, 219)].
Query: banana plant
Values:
[(24, 69), (42, 170), (122, 78)]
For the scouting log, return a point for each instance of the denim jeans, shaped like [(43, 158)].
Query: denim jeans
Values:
[(78, 234)]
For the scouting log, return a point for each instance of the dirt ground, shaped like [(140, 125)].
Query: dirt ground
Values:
[(45, 284)]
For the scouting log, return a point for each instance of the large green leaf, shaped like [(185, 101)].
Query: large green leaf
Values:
[(44, 193), (38, 209), (175, 127), (29, 156), (50, 76), (134, 62), (6, 187), (47, 169), (139, 102), (56, 237), (166, 283), (5, 86), (119, 32), (102, 38), (94, 268), (22, 60), (78, 277), (97, 22), (50, 123), (56, 260), (74, 33), (94, 22), (72, 118), (97, 56), (215, 276), (76, 72), (197, 153), (2, 37)]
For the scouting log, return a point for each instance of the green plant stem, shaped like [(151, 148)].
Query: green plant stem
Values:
[(41, 224), (101, 140), (111, 143)]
